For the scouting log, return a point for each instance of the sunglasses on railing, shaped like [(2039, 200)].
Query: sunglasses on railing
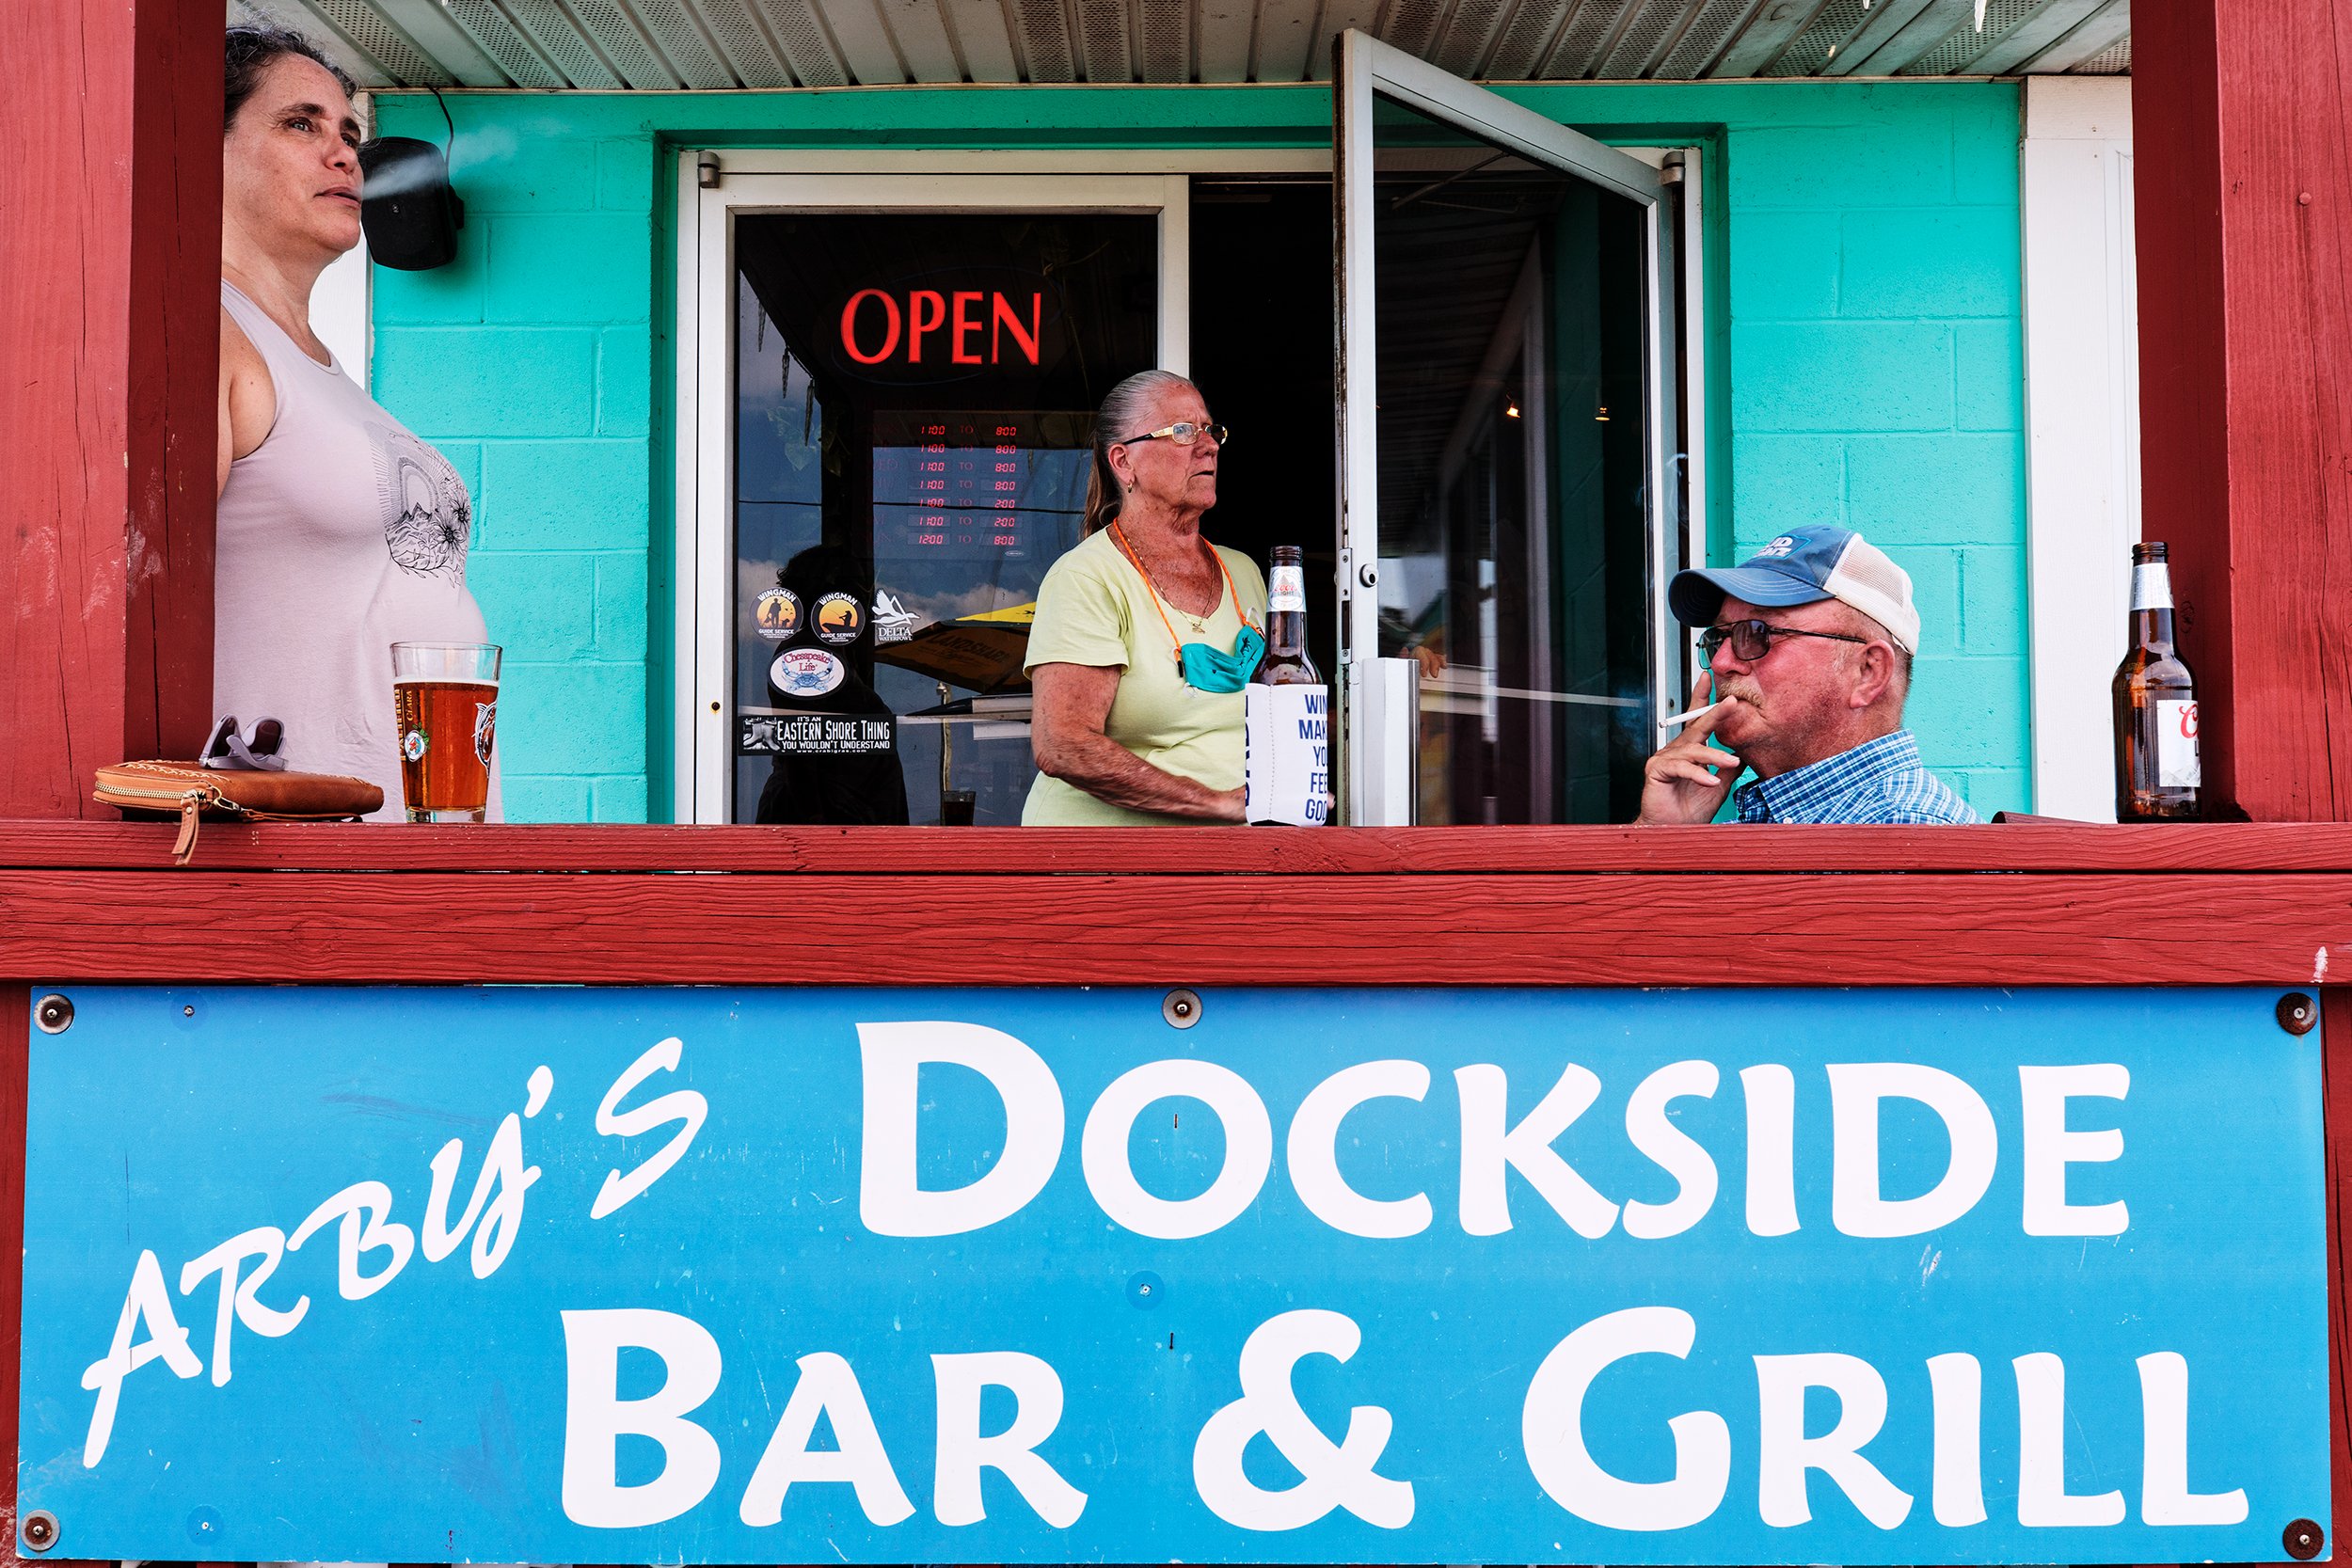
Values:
[(228, 749)]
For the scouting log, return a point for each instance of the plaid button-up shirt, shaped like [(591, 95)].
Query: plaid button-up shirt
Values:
[(1879, 781)]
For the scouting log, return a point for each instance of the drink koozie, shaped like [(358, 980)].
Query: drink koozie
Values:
[(1286, 754)]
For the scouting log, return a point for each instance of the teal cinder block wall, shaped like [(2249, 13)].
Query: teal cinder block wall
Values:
[(1863, 359)]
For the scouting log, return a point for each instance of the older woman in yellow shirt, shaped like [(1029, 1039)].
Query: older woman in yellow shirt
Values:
[(1146, 632)]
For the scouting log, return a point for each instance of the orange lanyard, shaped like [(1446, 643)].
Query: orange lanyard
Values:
[(1153, 589)]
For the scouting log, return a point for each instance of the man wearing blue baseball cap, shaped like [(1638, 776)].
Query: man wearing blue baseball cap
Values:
[(1808, 646)]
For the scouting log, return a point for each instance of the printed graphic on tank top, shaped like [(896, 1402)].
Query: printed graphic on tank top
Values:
[(428, 518)]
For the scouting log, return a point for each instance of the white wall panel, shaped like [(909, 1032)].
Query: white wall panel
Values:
[(2082, 416), (339, 310)]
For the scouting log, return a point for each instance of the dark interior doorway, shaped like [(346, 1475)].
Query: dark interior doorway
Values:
[(1262, 355)]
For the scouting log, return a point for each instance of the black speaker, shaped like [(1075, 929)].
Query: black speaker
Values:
[(406, 208)]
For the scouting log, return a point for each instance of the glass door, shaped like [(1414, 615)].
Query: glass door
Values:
[(897, 401), (1506, 471)]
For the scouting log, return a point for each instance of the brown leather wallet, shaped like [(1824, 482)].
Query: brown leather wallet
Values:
[(192, 793)]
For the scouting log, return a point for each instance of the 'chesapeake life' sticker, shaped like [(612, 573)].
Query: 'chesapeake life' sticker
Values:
[(804, 672)]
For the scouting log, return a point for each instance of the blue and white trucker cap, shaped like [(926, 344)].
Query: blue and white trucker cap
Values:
[(1805, 565)]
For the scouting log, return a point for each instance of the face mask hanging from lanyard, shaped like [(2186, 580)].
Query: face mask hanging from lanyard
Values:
[(1206, 670), (1203, 667)]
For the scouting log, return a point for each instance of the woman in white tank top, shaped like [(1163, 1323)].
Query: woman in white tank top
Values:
[(340, 534)]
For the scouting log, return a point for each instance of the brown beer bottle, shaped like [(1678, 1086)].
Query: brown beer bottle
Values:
[(1285, 661), (2156, 775)]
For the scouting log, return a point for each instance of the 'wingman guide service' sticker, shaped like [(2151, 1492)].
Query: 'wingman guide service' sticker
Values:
[(777, 614), (804, 672), (839, 619)]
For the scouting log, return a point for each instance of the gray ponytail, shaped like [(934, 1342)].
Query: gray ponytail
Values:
[(1122, 411)]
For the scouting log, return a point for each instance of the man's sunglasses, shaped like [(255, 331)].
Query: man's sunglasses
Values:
[(1183, 433), (1752, 640)]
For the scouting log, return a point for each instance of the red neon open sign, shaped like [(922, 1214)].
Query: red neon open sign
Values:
[(874, 326)]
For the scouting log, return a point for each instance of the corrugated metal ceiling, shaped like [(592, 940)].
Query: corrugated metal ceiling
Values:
[(719, 44)]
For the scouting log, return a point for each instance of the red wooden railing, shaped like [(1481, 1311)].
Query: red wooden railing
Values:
[(2018, 905)]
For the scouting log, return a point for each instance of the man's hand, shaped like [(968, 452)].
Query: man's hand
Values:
[(1677, 786)]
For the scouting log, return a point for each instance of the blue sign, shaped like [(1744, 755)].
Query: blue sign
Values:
[(774, 1275)]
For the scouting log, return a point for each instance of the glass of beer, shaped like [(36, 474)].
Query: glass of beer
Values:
[(445, 700)]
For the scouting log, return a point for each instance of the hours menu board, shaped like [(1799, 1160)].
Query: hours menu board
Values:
[(972, 483)]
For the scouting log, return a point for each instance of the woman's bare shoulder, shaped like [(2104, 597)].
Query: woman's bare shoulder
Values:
[(237, 352), (249, 391)]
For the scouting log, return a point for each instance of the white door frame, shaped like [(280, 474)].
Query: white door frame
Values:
[(1678, 646), (1379, 731), (760, 183), (892, 179)]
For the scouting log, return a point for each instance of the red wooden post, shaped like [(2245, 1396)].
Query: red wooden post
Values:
[(109, 352), (2243, 125), (109, 348), (2244, 151)]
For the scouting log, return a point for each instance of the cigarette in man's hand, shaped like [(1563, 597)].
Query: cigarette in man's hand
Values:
[(1686, 718)]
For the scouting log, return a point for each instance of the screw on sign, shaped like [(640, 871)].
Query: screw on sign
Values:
[(40, 1530), (2303, 1540), (2297, 1012)]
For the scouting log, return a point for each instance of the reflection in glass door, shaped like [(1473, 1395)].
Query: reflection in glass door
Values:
[(913, 414), (1503, 452)]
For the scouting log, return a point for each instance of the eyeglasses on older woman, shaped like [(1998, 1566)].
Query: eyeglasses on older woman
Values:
[(1183, 433)]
